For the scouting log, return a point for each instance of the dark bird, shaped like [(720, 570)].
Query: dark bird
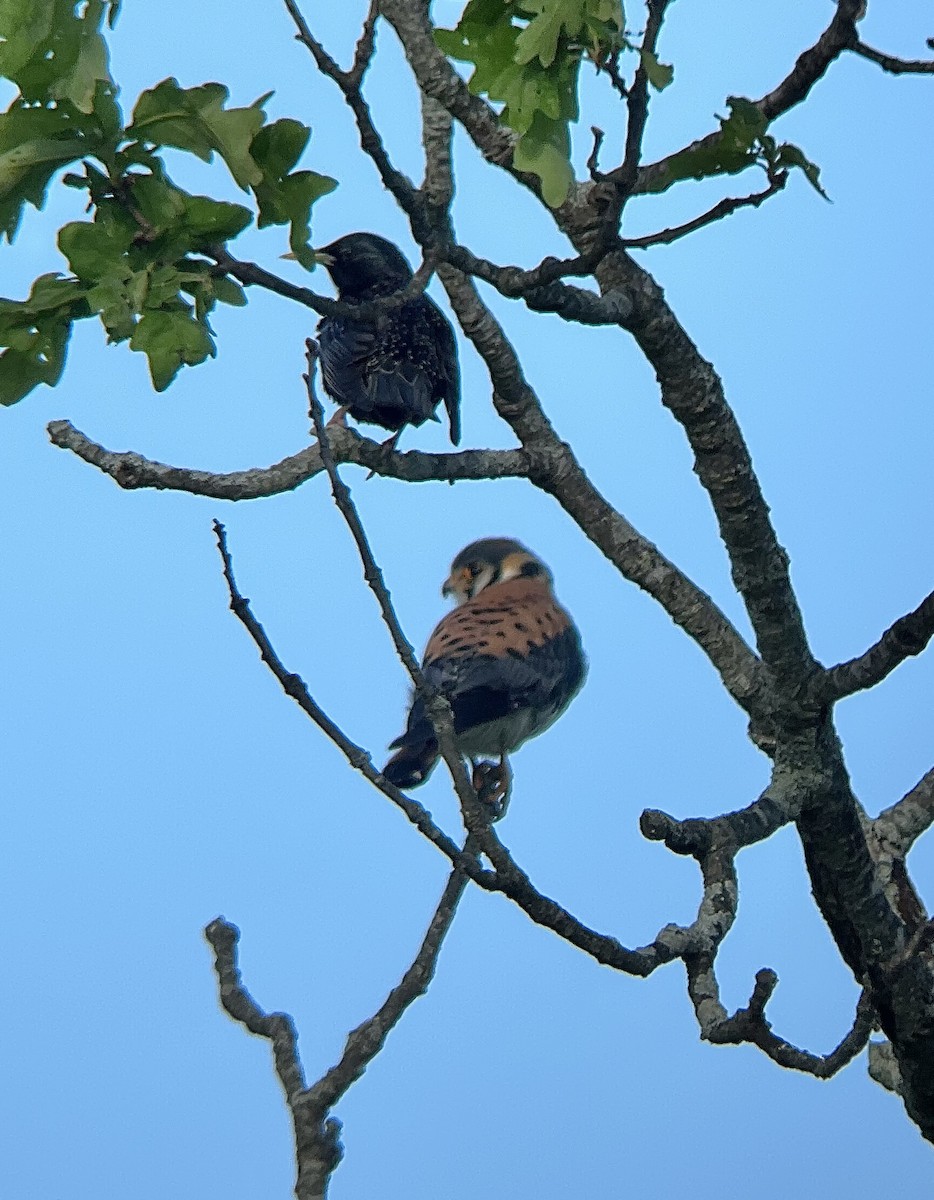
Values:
[(508, 659), (394, 370)]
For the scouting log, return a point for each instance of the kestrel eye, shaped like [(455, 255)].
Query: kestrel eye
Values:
[(474, 569)]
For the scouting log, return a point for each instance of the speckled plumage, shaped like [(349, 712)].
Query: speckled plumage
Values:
[(396, 370), (508, 659)]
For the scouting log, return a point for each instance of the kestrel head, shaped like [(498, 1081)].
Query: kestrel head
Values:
[(489, 561)]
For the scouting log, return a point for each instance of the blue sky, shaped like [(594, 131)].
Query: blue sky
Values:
[(156, 776)]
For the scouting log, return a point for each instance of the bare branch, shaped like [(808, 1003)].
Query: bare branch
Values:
[(777, 806), (317, 1143), (907, 636), (251, 274), (720, 210), (437, 707), (131, 470), (349, 83), (554, 468), (637, 101), (895, 66), (900, 825), (693, 393), (296, 688), (540, 295), (366, 1041), (751, 1025), (810, 67)]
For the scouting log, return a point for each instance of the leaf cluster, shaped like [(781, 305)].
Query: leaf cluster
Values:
[(743, 141), (526, 55), (138, 263)]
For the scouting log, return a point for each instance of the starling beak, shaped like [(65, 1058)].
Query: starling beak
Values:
[(508, 660), (394, 370)]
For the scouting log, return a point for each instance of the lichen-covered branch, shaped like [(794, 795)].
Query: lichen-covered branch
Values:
[(554, 468), (907, 636), (317, 1142), (131, 470), (750, 1025), (692, 391), (899, 826)]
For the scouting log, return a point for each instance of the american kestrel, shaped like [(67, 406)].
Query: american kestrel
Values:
[(508, 659), (395, 370)]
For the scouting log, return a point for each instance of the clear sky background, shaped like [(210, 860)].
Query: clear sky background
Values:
[(156, 776)]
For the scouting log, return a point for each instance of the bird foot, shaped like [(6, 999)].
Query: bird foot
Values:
[(339, 420), (493, 784), (387, 448)]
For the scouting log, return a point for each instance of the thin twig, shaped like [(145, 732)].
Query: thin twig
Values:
[(295, 687), (349, 83), (811, 66), (366, 1041), (436, 705), (720, 210), (895, 66), (637, 103)]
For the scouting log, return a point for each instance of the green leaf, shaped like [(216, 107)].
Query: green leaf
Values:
[(738, 145), (95, 249), (545, 151), (34, 335), (791, 156), (228, 291), (53, 50), (659, 74), (170, 339), (194, 119), (34, 144), (285, 198)]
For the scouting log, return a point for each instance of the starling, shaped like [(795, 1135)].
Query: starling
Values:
[(508, 659), (396, 369)]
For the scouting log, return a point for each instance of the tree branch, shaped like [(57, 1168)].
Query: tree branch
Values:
[(907, 636), (637, 103), (720, 210), (555, 470), (900, 825), (437, 707), (810, 67), (366, 1041), (693, 393), (751, 1025), (296, 688), (317, 1142), (349, 83), (778, 805), (894, 66), (317, 1145), (131, 470)]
